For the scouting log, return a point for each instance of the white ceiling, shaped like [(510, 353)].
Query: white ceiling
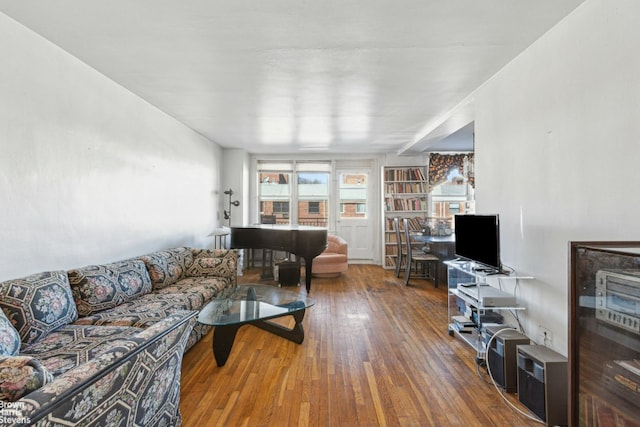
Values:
[(298, 76)]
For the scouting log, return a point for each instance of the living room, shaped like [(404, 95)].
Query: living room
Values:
[(93, 173)]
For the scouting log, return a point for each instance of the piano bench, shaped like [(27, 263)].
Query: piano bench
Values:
[(288, 273)]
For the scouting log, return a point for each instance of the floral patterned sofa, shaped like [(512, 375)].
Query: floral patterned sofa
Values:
[(103, 344)]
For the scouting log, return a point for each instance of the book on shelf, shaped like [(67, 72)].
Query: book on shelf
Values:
[(405, 204), (415, 224), (405, 187), (404, 174)]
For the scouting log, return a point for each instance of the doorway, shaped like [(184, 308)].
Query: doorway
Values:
[(354, 219)]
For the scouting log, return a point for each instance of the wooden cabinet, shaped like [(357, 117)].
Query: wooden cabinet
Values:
[(405, 195), (604, 328)]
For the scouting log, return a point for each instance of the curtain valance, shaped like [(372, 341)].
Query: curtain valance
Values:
[(442, 166)]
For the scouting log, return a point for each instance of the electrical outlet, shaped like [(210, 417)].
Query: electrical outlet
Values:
[(545, 337)]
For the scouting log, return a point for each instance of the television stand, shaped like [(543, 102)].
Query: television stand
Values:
[(485, 270), (470, 313), (498, 273)]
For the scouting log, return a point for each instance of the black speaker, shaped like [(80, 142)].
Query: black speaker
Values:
[(289, 273), (501, 355), (543, 383)]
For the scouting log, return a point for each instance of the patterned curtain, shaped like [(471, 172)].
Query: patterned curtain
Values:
[(441, 165)]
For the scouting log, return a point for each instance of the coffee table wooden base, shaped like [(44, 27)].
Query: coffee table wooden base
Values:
[(225, 335)]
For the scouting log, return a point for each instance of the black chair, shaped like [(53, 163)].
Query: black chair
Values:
[(425, 265), (399, 245)]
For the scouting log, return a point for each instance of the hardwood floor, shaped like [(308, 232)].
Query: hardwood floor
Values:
[(375, 353)]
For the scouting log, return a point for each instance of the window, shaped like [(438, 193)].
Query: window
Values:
[(310, 194), (281, 207), (313, 193), (452, 177), (274, 191), (314, 207), (453, 196), (353, 195)]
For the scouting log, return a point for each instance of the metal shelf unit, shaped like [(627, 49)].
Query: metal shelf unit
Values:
[(464, 272)]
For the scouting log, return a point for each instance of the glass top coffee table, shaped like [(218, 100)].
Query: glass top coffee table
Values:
[(253, 304)]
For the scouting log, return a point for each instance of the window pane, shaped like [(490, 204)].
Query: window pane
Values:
[(313, 185), (278, 194), (313, 197), (314, 207), (275, 195), (451, 198), (313, 213), (353, 195)]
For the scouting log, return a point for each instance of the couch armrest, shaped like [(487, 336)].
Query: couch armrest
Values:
[(20, 375), (214, 263), (139, 385), (337, 245)]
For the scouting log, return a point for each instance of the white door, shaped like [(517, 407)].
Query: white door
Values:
[(354, 212)]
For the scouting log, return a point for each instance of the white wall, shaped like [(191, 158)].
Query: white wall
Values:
[(89, 172), (557, 152), (236, 166)]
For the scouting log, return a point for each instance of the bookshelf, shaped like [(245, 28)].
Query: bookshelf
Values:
[(405, 194)]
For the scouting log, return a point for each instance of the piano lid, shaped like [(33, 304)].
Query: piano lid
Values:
[(282, 227)]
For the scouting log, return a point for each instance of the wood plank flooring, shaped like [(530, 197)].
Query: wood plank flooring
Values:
[(376, 353)]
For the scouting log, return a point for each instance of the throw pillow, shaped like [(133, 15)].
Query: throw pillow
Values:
[(38, 304), (205, 266), (183, 256), (213, 263), (99, 287), (9, 337), (166, 267)]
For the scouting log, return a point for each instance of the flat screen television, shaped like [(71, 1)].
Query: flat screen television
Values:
[(478, 239)]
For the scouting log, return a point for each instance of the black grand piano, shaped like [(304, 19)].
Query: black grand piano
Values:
[(302, 240)]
